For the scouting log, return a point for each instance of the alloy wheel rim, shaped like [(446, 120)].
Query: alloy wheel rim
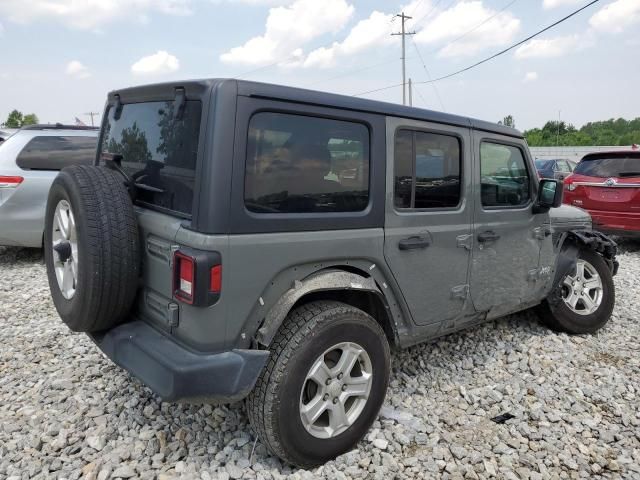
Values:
[(582, 290), (65, 249), (336, 390)]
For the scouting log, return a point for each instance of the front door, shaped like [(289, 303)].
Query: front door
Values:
[(428, 216), (507, 234)]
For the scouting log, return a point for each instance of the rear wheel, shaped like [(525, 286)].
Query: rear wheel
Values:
[(585, 299), (324, 384)]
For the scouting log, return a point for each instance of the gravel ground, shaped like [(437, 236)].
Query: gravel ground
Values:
[(67, 412)]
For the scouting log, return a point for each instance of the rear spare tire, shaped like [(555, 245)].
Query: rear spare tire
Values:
[(91, 248)]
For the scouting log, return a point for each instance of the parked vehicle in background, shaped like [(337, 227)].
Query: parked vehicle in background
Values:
[(607, 185), (238, 239), (554, 168), (6, 133), (29, 161)]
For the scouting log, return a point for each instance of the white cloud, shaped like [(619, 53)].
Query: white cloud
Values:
[(89, 14), (77, 70), (159, 63), (367, 33), (616, 16), (550, 47), (269, 3), (287, 29), (462, 20), (559, 3), (530, 77)]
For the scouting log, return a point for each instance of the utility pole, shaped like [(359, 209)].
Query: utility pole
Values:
[(92, 114), (410, 93), (404, 33)]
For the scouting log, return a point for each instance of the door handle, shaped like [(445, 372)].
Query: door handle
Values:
[(413, 243), (488, 236)]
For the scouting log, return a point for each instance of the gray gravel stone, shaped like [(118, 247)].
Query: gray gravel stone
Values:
[(67, 412)]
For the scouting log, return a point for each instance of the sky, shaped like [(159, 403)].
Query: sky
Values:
[(60, 58)]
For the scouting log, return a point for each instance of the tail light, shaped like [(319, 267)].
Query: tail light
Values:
[(185, 278), (197, 277), (568, 184), (10, 181)]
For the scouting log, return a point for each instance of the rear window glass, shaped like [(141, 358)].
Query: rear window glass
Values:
[(427, 170), (158, 151), (610, 167), (57, 152), (542, 164), (301, 164)]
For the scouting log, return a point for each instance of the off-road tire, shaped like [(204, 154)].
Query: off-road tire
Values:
[(273, 405), (108, 248), (559, 317)]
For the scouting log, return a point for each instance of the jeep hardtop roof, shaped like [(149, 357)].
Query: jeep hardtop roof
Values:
[(200, 88)]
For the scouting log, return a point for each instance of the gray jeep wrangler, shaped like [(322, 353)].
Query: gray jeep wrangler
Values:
[(240, 240)]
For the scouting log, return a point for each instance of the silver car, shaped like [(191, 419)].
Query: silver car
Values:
[(6, 133), (29, 161)]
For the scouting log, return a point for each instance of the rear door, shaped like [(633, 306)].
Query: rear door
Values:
[(159, 152), (428, 216), (507, 233)]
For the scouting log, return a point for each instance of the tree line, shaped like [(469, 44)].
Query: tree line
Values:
[(17, 119), (559, 133)]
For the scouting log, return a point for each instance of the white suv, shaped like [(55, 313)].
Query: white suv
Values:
[(29, 161)]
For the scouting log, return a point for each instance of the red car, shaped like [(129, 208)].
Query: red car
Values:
[(607, 185)]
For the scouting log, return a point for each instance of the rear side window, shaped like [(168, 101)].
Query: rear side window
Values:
[(611, 166), (504, 177), (427, 170), (57, 152), (159, 151), (302, 164)]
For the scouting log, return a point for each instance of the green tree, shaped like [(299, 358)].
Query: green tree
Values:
[(508, 121), (29, 119), (16, 119), (615, 131)]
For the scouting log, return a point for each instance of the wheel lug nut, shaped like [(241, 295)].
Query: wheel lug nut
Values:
[(335, 400), (339, 376), (328, 382), (326, 397), (344, 388)]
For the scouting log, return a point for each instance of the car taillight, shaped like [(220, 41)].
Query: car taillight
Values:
[(185, 280), (197, 277), (10, 181), (215, 279)]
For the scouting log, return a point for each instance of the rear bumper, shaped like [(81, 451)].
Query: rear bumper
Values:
[(176, 373), (616, 223)]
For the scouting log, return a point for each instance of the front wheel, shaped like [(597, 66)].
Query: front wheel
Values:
[(585, 299), (324, 384)]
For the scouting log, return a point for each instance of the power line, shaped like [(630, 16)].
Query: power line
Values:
[(426, 70), (501, 52), (368, 67), (293, 56)]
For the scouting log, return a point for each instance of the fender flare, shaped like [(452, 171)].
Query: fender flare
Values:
[(319, 282), (574, 240)]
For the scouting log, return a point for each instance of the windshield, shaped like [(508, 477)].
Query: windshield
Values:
[(610, 166), (542, 164), (158, 151)]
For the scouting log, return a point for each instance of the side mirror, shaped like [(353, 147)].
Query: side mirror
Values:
[(549, 195)]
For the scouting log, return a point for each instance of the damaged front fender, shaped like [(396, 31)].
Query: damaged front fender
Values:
[(574, 241)]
